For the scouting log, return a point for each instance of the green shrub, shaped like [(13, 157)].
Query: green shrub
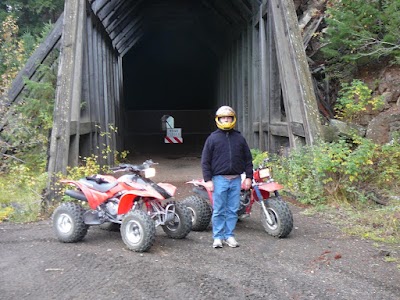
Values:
[(345, 171), (355, 99), (89, 166), (21, 193), (300, 175), (258, 157)]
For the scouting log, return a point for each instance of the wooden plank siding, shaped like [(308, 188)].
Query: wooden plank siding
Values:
[(284, 111)]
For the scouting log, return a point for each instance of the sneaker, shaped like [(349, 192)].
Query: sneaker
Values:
[(244, 216), (217, 243), (231, 242)]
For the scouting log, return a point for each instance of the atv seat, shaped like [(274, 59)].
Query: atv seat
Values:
[(101, 187)]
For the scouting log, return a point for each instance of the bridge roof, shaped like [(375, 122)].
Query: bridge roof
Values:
[(213, 21)]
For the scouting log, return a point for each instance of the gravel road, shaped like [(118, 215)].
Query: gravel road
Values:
[(316, 261)]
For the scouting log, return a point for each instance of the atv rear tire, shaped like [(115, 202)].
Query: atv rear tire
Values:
[(282, 219), (181, 223), (200, 210), (68, 222), (138, 231)]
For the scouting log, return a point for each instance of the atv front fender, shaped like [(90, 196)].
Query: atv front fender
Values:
[(171, 189), (270, 186), (201, 189), (129, 197), (265, 189)]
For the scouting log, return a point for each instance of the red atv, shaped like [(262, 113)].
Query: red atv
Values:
[(132, 202), (276, 216)]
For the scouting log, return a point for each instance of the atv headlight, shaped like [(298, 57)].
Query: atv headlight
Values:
[(265, 173), (149, 172)]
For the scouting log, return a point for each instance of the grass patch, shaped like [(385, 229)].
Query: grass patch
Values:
[(381, 224), (373, 222)]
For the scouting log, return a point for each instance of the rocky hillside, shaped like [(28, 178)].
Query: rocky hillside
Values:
[(383, 79)]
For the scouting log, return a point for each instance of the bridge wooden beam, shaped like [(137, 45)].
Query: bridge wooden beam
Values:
[(36, 59), (68, 92), (260, 14), (83, 128), (279, 129), (295, 76), (276, 107), (264, 117)]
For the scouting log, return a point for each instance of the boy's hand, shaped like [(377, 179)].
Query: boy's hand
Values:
[(247, 183), (209, 185)]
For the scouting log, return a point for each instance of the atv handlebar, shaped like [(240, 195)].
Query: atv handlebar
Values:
[(133, 168), (264, 163)]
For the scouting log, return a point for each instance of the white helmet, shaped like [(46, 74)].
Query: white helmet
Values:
[(225, 111)]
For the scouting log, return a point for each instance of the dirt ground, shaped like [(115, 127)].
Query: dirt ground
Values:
[(316, 261)]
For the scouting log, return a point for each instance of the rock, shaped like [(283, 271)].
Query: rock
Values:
[(384, 253), (387, 99), (363, 120), (384, 125), (383, 88), (339, 128)]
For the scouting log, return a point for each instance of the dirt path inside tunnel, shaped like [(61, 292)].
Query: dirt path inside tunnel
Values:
[(316, 261)]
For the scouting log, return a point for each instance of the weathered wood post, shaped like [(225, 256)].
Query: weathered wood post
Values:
[(264, 118), (298, 94), (68, 92)]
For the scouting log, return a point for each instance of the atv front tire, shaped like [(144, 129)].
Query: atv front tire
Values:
[(68, 222), (181, 223), (200, 210), (281, 216), (138, 231)]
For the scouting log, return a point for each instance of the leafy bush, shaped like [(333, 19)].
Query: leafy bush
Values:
[(12, 53), (21, 193), (30, 120), (346, 171), (355, 99), (258, 157), (301, 175), (27, 122), (88, 166)]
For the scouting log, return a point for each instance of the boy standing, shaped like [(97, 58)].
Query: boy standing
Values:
[(225, 156)]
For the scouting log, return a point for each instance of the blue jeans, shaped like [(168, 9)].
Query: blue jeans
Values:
[(226, 199)]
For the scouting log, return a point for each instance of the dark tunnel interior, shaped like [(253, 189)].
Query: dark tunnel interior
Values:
[(170, 70)]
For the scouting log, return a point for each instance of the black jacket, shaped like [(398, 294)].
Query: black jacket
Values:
[(226, 153)]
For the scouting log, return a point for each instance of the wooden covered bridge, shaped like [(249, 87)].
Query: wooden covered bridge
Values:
[(126, 64)]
